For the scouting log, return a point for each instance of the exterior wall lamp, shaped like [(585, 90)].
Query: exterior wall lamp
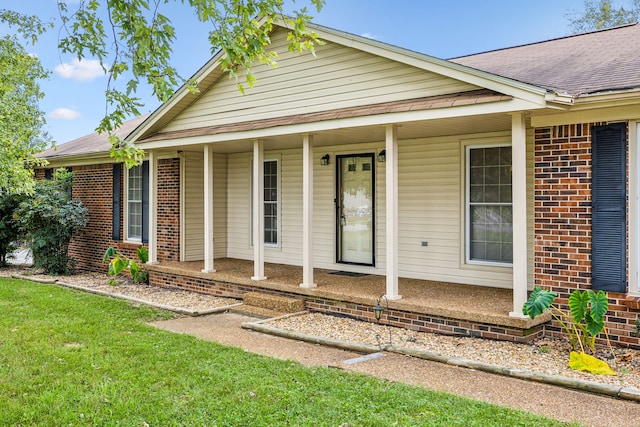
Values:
[(382, 156), (324, 160)]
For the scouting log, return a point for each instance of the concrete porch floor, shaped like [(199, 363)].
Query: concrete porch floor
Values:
[(448, 300)]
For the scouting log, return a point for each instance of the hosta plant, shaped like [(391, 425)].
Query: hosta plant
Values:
[(582, 323), (119, 262)]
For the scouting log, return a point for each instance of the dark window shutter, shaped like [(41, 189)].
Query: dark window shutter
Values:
[(145, 202), (609, 194), (70, 189), (117, 190)]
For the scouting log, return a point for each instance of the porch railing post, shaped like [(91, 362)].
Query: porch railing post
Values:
[(258, 210), (208, 210), (519, 191), (307, 212), (391, 164)]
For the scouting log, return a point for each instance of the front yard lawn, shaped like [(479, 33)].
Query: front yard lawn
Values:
[(70, 358)]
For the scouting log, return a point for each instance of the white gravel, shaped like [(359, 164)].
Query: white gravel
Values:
[(191, 301), (545, 356)]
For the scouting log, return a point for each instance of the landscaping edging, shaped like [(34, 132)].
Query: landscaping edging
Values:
[(179, 310), (626, 393)]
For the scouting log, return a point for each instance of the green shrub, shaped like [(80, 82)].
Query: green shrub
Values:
[(9, 228), (49, 219)]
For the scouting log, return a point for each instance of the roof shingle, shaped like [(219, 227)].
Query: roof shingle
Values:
[(601, 61)]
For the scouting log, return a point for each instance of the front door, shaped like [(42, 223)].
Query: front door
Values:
[(355, 209)]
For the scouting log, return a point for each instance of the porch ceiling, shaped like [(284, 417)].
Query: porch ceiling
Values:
[(375, 133)]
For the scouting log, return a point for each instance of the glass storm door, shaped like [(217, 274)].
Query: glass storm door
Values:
[(355, 209)]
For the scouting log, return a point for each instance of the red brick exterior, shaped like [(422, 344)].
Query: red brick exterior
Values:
[(93, 185), (563, 225), (169, 210)]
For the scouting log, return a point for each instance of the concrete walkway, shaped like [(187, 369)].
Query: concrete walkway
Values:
[(551, 401)]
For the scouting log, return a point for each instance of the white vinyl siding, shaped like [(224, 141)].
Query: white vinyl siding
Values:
[(339, 77), (134, 204), (193, 211), (431, 209)]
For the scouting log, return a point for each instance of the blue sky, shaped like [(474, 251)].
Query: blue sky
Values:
[(74, 101)]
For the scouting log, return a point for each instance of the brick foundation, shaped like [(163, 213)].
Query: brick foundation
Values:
[(398, 318)]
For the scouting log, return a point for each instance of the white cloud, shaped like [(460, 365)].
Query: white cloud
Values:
[(84, 70), (370, 36), (64, 114)]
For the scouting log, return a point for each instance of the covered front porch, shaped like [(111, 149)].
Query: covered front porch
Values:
[(428, 306)]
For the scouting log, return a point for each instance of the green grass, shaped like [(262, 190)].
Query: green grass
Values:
[(70, 358)]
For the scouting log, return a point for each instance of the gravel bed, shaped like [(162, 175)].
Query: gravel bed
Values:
[(546, 356), (191, 301)]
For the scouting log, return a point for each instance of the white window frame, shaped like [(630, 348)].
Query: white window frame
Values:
[(467, 205), (128, 236), (278, 204)]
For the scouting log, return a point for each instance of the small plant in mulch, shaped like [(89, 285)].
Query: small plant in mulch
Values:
[(582, 324), (119, 263)]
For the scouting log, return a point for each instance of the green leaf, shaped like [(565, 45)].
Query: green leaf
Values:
[(539, 300), (109, 253), (116, 266), (143, 254), (599, 304), (594, 325), (578, 303)]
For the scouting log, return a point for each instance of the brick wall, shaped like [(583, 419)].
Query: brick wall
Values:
[(168, 214), (93, 185), (563, 224)]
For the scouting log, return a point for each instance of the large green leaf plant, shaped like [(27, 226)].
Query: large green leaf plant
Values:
[(582, 323)]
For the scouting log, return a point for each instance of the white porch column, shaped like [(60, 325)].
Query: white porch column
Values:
[(519, 191), (153, 208), (258, 211), (208, 210), (391, 164), (307, 212)]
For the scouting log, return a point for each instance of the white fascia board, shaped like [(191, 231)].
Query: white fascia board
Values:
[(440, 66), (97, 159), (505, 107), (602, 114)]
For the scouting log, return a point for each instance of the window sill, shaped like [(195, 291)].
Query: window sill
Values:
[(129, 245)]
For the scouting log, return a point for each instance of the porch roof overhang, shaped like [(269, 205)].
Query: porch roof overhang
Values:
[(360, 124)]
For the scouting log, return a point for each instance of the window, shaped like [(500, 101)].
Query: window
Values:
[(271, 206), (135, 203), (489, 205), (271, 202)]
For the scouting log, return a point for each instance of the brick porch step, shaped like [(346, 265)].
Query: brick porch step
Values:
[(276, 303), (258, 312)]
